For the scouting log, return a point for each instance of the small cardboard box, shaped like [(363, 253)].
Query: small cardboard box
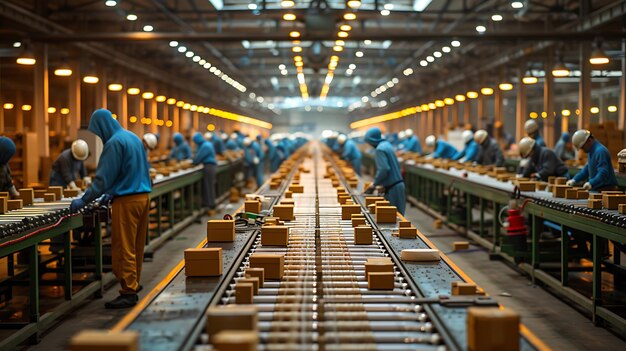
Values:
[(235, 340), (253, 206), (357, 215), (274, 235), (252, 280), (50, 197), (621, 208), (492, 329), (463, 288), (526, 186), (288, 194), (70, 192), (296, 188), (386, 214), (595, 204), (288, 202), (363, 235), (13, 205), (404, 224), (374, 207), (256, 273), (343, 199), (380, 280), (583, 194), (57, 190), (420, 255), (244, 293), (571, 193), (273, 264), (220, 230), (382, 264), (284, 212), (27, 195), (460, 245), (231, 317), (40, 193), (353, 183), (274, 185), (595, 196), (560, 181), (372, 199), (203, 262), (105, 340), (559, 190), (407, 232), (358, 222), (3, 205), (612, 201), (551, 180), (348, 210)]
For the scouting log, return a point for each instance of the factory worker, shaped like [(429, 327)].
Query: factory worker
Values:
[(411, 142), (543, 161), (231, 144), (69, 165), (7, 150), (150, 142), (470, 151), (122, 172), (254, 157), (205, 155), (564, 148), (598, 174), (387, 170), (441, 148), (489, 152), (272, 154), (532, 130), (399, 144), (218, 144), (350, 152), (181, 150)]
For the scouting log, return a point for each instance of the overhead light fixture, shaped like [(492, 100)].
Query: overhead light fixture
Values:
[(342, 34), (345, 27), (432, 106), (115, 87), (340, 42), (486, 91), (566, 113), (430, 59), (459, 98), (529, 79), (349, 16), (296, 49), (481, 28), (598, 56), (147, 95), (52, 109), (560, 70), (612, 108), (173, 43), (131, 17), (91, 79), (148, 28), (133, 91), (440, 103), (189, 54), (252, 6), (505, 86), (423, 63), (337, 48), (8, 106), (180, 103), (517, 4), (472, 95), (160, 98), (446, 49), (385, 12), (287, 3), (26, 58), (171, 101), (359, 54), (64, 71), (595, 110), (289, 17), (26, 107), (65, 111), (186, 106), (110, 3), (354, 4), (448, 101), (181, 49), (437, 54), (455, 43), (294, 34), (496, 18)]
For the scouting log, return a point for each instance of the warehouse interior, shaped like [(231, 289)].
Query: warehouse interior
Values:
[(312, 175)]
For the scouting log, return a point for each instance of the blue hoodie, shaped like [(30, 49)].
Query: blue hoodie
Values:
[(444, 150), (123, 166), (218, 144), (206, 153), (7, 150), (412, 144), (181, 150), (470, 152), (352, 154), (599, 168)]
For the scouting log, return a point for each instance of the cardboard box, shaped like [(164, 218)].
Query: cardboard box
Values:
[(363, 235), (551, 180), (420, 255), (560, 181), (492, 329), (343, 199), (357, 215), (244, 293), (105, 340), (296, 188), (220, 230), (231, 317), (559, 190), (621, 208), (374, 207), (526, 186), (382, 264), (571, 193), (460, 245), (463, 288), (540, 186), (256, 273), (583, 194), (407, 232), (3, 205), (70, 192), (235, 340), (284, 212), (251, 280), (358, 222), (348, 210), (203, 262), (27, 195), (274, 185), (40, 193), (353, 183), (612, 201), (372, 199), (57, 190), (288, 194), (595, 196), (380, 280), (386, 214), (13, 205), (288, 202), (404, 224), (273, 264), (253, 206), (595, 204), (274, 235), (49, 197)]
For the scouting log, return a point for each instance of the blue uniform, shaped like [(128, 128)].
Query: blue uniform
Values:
[(218, 145), (181, 150), (560, 150), (252, 151), (470, 152), (65, 169), (7, 150), (352, 154), (412, 144), (387, 170), (539, 140), (123, 166), (231, 145), (206, 152), (272, 154), (599, 168), (444, 150)]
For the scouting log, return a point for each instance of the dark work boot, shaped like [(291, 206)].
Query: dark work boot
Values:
[(122, 301)]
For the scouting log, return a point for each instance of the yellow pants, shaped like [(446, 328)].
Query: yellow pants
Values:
[(129, 223)]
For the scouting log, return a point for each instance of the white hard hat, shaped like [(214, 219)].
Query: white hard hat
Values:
[(80, 149), (480, 136), (247, 141), (333, 135), (525, 146), (150, 140), (233, 136), (467, 136), (208, 136), (342, 139), (580, 138), (408, 132), (531, 126), (224, 136), (401, 135), (431, 140)]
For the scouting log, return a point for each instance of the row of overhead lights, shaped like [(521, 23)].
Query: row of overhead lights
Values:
[(343, 33), (566, 113), (10, 106), (297, 50)]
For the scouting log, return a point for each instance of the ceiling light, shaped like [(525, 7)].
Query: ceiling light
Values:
[(202, 62), (496, 18), (297, 58), (388, 6), (207, 65), (420, 5), (64, 71), (26, 58), (459, 98), (440, 103), (131, 17), (91, 79), (160, 98), (171, 101), (65, 111), (352, 66), (481, 29), (284, 72), (385, 12), (472, 94), (186, 106), (340, 42), (52, 109), (252, 6), (115, 87), (180, 48), (612, 108), (17, 44), (505, 86), (287, 3), (598, 57), (529, 79), (446, 49), (517, 4), (281, 67), (148, 28), (345, 27), (595, 110), (26, 107), (432, 106), (358, 54), (338, 48), (173, 43), (110, 3), (430, 59), (408, 71), (8, 106), (196, 58), (342, 34), (294, 34), (566, 113), (367, 42), (133, 91), (147, 95), (437, 54), (189, 54), (560, 70), (289, 17), (423, 63), (455, 43), (486, 91), (349, 16), (212, 69)]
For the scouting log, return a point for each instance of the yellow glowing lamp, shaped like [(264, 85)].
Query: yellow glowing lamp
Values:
[(161, 98), (505, 86), (486, 91), (133, 91), (171, 101), (566, 113), (115, 87), (612, 108), (440, 103), (52, 109), (459, 98), (448, 101), (472, 94), (8, 106), (65, 111), (26, 107)]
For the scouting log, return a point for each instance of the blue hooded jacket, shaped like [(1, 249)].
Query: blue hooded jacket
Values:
[(412, 144), (352, 154), (123, 166), (444, 150), (7, 150), (470, 152), (599, 168), (559, 148), (206, 153), (231, 145), (181, 150), (218, 145)]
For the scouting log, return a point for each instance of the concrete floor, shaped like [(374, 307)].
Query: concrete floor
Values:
[(557, 324)]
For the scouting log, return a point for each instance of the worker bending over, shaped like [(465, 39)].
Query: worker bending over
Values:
[(272, 154), (205, 155), (181, 150), (470, 151), (7, 151), (254, 156), (543, 161), (69, 166), (598, 172), (350, 152), (218, 144), (122, 172), (564, 149), (442, 149), (387, 170), (532, 130), (489, 152), (412, 142)]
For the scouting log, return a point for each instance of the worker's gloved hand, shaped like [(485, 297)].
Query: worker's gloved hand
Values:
[(524, 162), (587, 186), (76, 205), (73, 185), (87, 181), (571, 182), (256, 160), (369, 190)]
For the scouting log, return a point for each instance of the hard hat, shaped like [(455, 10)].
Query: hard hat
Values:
[(150, 140), (526, 146), (431, 140), (401, 135), (480, 136), (531, 126), (580, 138), (80, 149), (467, 136), (233, 136), (247, 141), (224, 136), (408, 132), (208, 136), (342, 139), (334, 135)]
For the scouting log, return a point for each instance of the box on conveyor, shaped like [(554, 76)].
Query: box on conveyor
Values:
[(203, 262), (380, 280), (583, 194), (57, 190), (296, 188), (420, 255), (27, 195), (378, 264), (105, 340), (363, 235), (251, 280), (492, 329), (274, 235), (244, 293), (253, 206), (220, 230), (372, 200), (612, 201), (231, 317), (462, 288), (404, 224), (13, 205), (558, 190), (386, 214), (70, 192), (273, 264), (4, 205), (50, 197), (348, 210), (258, 273), (595, 204), (526, 186), (235, 340), (407, 232), (284, 212), (356, 222)]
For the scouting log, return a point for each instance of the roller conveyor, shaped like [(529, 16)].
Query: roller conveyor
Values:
[(322, 302)]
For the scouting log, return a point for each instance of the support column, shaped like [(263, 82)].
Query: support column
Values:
[(123, 107), (195, 121), (176, 119), (142, 114), (482, 103), (455, 114), (74, 100), (423, 125), (467, 109), (166, 132), (101, 91), (584, 87), (548, 101), (154, 115), (621, 122), (430, 125), (19, 114), (520, 106), (40, 102), (497, 111)]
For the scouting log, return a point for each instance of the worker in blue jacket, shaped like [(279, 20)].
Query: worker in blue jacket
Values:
[(387, 170), (272, 154), (442, 149), (205, 156), (532, 130), (231, 144), (218, 144), (544, 162), (7, 151), (598, 172), (253, 157), (181, 150), (412, 142), (350, 152), (470, 151), (122, 172), (69, 165)]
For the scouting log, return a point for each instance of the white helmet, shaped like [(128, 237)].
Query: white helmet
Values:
[(480, 136), (431, 140), (525, 146), (342, 138), (408, 132), (580, 138), (467, 136), (208, 136), (531, 126), (233, 136), (224, 136), (333, 135), (247, 141), (401, 135), (150, 140), (80, 149)]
